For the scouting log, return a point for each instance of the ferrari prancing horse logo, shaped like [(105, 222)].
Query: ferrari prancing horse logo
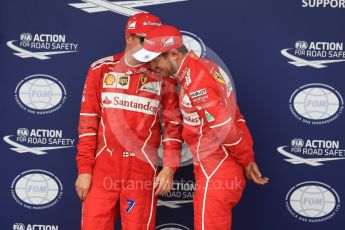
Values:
[(143, 79)]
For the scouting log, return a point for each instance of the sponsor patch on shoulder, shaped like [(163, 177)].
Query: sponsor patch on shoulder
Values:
[(218, 77), (109, 58)]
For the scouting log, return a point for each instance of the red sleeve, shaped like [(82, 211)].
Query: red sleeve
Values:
[(244, 154), (90, 113), (214, 98), (172, 125)]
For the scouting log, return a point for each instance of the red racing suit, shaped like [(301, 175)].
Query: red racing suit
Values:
[(119, 133), (219, 140)]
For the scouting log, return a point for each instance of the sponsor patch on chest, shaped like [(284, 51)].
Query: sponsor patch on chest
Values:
[(198, 93), (151, 87), (116, 80), (209, 117), (192, 119), (130, 103), (186, 101)]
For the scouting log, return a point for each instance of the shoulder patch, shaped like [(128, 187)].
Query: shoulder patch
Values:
[(102, 60), (218, 77)]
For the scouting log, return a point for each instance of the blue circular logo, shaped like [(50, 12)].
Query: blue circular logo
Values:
[(36, 189), (40, 94), (312, 201), (316, 104)]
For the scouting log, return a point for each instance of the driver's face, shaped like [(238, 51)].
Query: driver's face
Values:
[(135, 42), (163, 65)]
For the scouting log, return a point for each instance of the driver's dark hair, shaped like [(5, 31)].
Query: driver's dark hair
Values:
[(183, 49)]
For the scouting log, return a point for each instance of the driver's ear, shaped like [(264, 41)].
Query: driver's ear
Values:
[(174, 52), (128, 38), (153, 64)]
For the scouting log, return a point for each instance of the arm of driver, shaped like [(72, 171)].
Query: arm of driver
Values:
[(164, 181), (252, 172), (82, 184)]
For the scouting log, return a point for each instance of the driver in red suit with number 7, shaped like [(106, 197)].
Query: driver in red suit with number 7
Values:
[(123, 106)]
